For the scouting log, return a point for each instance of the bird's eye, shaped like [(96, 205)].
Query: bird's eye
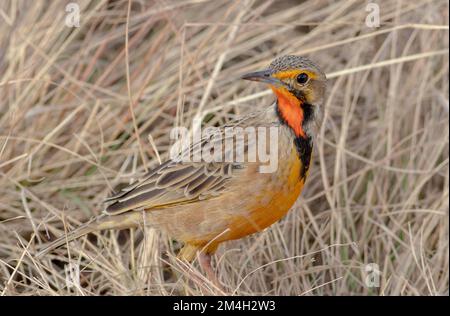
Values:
[(302, 78)]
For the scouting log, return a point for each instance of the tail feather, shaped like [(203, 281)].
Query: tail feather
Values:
[(102, 222)]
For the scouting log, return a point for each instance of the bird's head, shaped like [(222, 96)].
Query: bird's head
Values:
[(299, 86)]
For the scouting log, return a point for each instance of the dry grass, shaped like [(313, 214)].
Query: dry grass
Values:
[(83, 109)]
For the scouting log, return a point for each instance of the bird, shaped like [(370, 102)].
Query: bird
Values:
[(205, 203)]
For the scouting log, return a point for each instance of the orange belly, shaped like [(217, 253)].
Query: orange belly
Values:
[(269, 206), (263, 215)]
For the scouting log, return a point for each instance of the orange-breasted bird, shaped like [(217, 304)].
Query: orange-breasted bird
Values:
[(206, 203)]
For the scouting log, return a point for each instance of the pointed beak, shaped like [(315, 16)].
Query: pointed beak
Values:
[(263, 76)]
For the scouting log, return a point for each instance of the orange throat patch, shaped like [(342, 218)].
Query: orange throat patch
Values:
[(290, 109)]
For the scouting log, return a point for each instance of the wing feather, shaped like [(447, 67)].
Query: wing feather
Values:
[(178, 181)]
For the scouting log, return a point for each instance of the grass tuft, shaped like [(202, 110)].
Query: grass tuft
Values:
[(85, 109)]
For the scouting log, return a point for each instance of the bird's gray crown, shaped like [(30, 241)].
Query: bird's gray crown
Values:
[(289, 62)]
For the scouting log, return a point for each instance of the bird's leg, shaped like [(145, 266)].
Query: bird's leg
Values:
[(205, 262)]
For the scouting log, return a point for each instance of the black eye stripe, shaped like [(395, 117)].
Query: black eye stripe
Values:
[(302, 78)]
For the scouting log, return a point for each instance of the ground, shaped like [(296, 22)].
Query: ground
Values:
[(84, 109)]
